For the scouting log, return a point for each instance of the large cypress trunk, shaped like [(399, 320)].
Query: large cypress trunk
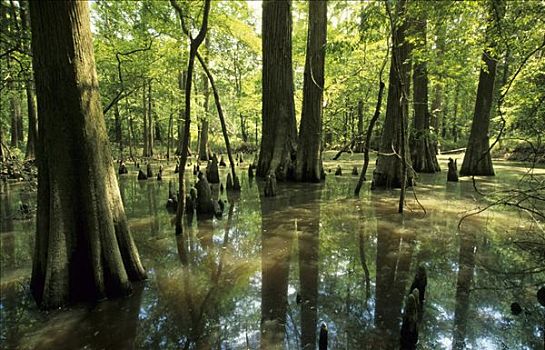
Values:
[(83, 248), (309, 153), (279, 135), (388, 172), (422, 151), (477, 159)]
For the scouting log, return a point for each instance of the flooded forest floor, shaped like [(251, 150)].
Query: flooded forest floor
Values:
[(313, 254)]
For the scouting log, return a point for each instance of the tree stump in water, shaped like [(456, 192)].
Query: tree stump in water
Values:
[(190, 205), (122, 169), (222, 162), (160, 174), (355, 171), (541, 296), (212, 172), (409, 327), (452, 175), (172, 201), (205, 204), (420, 282), (149, 171), (232, 185), (141, 175), (270, 185), (322, 342), (339, 171)]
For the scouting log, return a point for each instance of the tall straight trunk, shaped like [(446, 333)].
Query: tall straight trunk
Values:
[(203, 142), (170, 134), (389, 169), (130, 130), (359, 143), (83, 247), (118, 129), (279, 130), (437, 111), (309, 154), (151, 127), (15, 112), (30, 152), (32, 121), (454, 131), (423, 153), (477, 159), (145, 132)]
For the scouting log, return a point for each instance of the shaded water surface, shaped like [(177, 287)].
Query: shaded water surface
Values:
[(272, 270)]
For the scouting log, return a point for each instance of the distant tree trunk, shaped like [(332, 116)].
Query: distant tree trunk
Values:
[(243, 130), (437, 111), (454, 131), (29, 86), (169, 134), (368, 135), (360, 143), (150, 122), (118, 129), (32, 121), (309, 154), (388, 172), (83, 248), (15, 111), (203, 147), (477, 159), (423, 153), (145, 132), (279, 131), (130, 130)]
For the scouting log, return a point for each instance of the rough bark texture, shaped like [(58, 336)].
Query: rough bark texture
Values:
[(388, 172), (477, 159), (309, 152), (83, 248), (279, 133), (422, 152)]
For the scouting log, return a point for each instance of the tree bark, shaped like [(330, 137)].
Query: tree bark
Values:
[(309, 153), (279, 131), (422, 153), (83, 248), (477, 159), (388, 172)]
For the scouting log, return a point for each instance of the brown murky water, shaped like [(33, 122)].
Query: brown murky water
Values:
[(350, 261)]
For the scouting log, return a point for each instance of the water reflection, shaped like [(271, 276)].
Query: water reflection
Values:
[(272, 270), (466, 268)]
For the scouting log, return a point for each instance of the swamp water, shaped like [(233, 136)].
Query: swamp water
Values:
[(348, 261)]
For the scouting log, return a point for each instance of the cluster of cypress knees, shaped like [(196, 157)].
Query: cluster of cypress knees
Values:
[(199, 199)]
